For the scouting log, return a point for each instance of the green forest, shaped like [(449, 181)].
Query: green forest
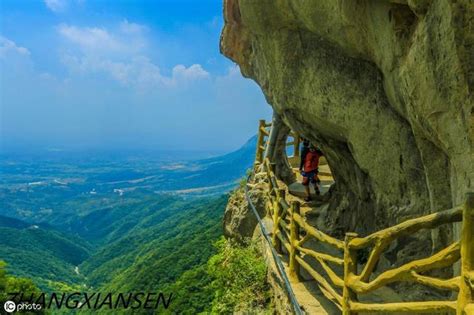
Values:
[(108, 226), (177, 249)]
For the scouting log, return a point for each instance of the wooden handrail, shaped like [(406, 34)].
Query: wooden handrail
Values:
[(284, 225), (320, 236), (294, 241), (318, 255), (408, 227), (443, 258), (260, 143), (350, 268), (466, 291), (264, 131), (284, 241), (442, 284), (336, 280), (287, 235), (285, 206), (302, 241)]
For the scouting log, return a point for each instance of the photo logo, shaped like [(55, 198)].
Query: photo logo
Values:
[(9, 306)]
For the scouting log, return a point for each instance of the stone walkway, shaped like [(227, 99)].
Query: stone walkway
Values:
[(307, 291), (296, 191)]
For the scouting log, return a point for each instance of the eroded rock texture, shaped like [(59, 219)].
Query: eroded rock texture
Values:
[(385, 87), (239, 222), (276, 149)]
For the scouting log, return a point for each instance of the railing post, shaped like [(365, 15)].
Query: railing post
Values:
[(466, 291), (270, 182), (350, 267), (294, 238), (273, 167), (267, 168), (276, 219), (260, 139)]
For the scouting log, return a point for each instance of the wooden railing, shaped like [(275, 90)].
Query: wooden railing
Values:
[(263, 134), (264, 129), (343, 283)]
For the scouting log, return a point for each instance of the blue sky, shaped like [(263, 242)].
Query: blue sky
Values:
[(83, 74)]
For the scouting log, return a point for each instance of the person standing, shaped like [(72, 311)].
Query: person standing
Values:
[(310, 156)]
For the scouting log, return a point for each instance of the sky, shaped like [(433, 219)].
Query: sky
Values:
[(113, 75)]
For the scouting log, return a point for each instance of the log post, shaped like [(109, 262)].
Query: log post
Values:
[(260, 141), (350, 268), (276, 211), (466, 291), (294, 239), (276, 219), (273, 188), (281, 196), (273, 167)]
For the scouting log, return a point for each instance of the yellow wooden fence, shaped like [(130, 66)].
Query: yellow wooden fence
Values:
[(264, 129), (289, 225)]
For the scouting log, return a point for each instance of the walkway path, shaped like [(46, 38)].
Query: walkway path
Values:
[(308, 293), (296, 191), (310, 297)]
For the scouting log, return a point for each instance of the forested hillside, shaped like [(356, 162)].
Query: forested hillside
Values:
[(111, 225), (159, 248), (42, 253), (143, 243)]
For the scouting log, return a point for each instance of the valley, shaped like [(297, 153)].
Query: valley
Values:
[(117, 225)]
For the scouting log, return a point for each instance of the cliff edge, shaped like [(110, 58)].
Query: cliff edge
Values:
[(384, 87)]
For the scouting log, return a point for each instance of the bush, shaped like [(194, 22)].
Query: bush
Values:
[(239, 276), (10, 284)]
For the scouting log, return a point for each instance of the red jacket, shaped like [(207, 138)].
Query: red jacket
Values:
[(311, 161)]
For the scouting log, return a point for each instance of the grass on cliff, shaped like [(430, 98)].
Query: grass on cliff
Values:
[(234, 280), (239, 276)]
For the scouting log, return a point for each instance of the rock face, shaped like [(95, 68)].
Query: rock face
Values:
[(276, 149), (239, 222), (385, 87)]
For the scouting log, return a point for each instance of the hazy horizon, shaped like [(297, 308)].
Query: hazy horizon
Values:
[(72, 154), (139, 76)]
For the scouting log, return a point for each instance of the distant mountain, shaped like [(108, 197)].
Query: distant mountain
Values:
[(232, 165), (222, 171)]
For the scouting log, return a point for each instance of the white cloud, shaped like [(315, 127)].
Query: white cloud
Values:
[(90, 38), (55, 5), (124, 41), (132, 28), (194, 72), (58, 6), (138, 73), (9, 46), (120, 54)]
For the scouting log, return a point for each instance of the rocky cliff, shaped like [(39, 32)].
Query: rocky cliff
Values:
[(385, 88)]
